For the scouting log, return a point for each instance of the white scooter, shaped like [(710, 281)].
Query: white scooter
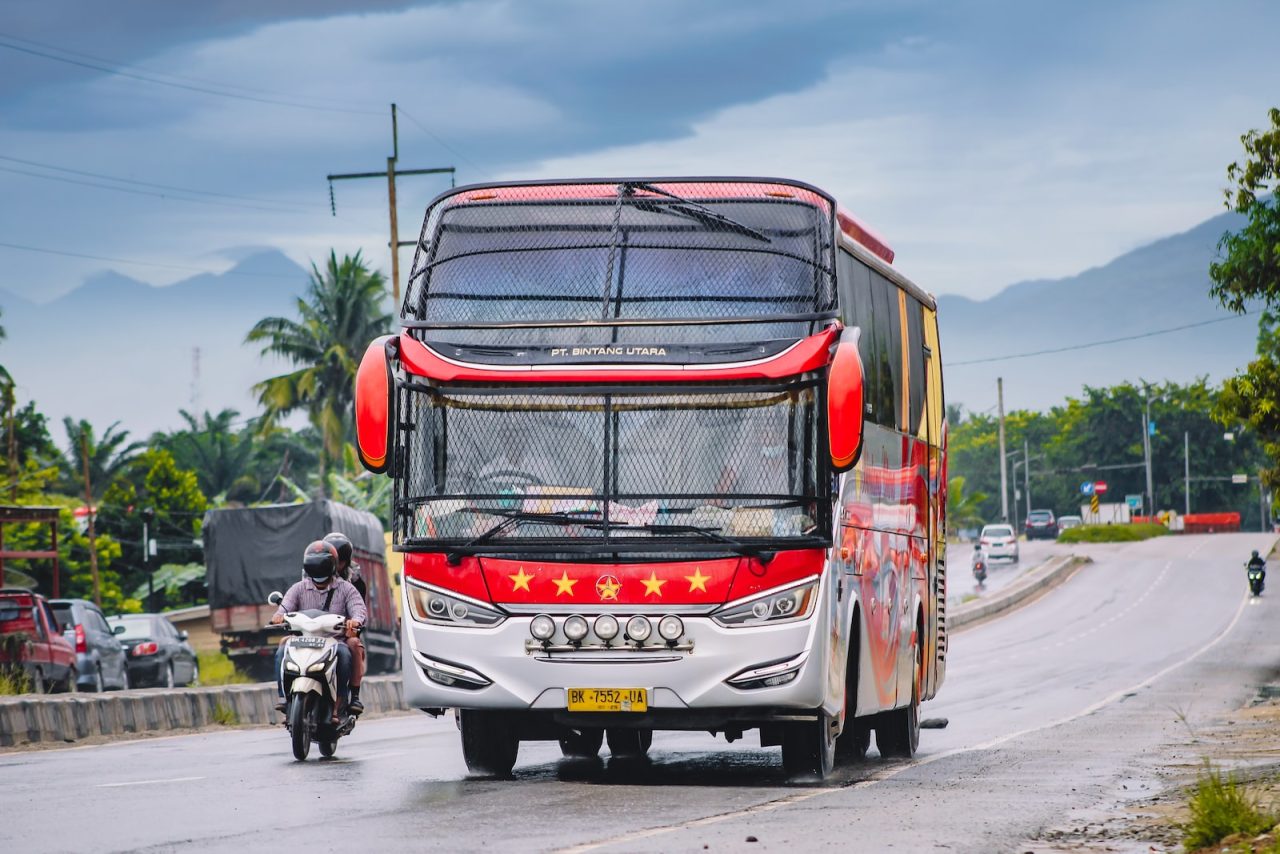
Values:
[(309, 673)]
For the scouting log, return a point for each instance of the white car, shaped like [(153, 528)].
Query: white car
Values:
[(998, 542)]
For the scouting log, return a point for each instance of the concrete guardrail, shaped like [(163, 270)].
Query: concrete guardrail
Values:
[(67, 718), (1048, 575)]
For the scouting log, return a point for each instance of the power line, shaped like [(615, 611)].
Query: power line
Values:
[(133, 181), (137, 192), (143, 263), (1068, 348), (446, 146), (121, 71)]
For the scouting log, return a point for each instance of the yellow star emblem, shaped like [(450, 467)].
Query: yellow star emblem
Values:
[(653, 584), (697, 581), (520, 580), (564, 584), (607, 587)]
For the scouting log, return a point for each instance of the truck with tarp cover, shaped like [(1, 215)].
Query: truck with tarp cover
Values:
[(253, 550)]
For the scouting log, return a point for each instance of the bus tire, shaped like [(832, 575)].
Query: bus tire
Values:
[(898, 731), (629, 743), (489, 742), (853, 742), (809, 748), (581, 743)]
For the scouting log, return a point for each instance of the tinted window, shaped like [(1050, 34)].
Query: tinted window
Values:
[(887, 351), (1040, 516), (857, 309), (997, 531), (915, 365), (64, 614)]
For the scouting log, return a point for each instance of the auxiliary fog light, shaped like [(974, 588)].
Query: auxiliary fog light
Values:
[(670, 628), (606, 627), (639, 628), (542, 627), (575, 628)]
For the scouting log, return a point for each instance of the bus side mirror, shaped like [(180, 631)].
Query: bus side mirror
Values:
[(375, 405), (844, 403)]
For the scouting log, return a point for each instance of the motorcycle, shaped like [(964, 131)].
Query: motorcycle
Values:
[(1255, 581), (980, 570), (309, 673)]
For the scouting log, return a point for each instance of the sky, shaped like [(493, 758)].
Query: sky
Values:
[(989, 142)]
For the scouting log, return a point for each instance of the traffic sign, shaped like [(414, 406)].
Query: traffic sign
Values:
[(1086, 488), (1239, 478), (1093, 503), (1099, 487), (1134, 501)]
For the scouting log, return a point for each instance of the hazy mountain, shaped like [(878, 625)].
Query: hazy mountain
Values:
[(115, 348), (1162, 285)]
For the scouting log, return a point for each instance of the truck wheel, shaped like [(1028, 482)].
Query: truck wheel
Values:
[(581, 743), (299, 720), (809, 748), (629, 743), (489, 742)]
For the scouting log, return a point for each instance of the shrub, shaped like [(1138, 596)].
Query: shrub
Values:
[(217, 669), (224, 715), (13, 680), (1122, 533), (1219, 808)]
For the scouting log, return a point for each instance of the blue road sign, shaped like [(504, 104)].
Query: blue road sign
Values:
[(1086, 488)]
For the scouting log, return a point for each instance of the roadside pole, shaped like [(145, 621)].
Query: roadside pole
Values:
[(1186, 465), (1004, 480), (88, 505), (1026, 472)]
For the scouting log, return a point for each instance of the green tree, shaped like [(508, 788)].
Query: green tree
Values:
[(963, 509), (1248, 267), (343, 311), (108, 454), (220, 455)]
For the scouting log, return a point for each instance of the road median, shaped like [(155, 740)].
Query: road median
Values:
[(1048, 575), (68, 718)]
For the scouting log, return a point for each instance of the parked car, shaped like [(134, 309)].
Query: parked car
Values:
[(100, 660), (1068, 522), (1041, 525), (158, 653), (998, 542), (30, 637)]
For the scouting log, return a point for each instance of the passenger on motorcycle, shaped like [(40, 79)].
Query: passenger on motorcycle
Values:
[(349, 570), (1258, 563), (320, 589)]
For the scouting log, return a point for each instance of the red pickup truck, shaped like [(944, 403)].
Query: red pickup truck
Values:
[(30, 638)]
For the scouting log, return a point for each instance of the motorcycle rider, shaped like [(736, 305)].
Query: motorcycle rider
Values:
[(1259, 564), (349, 570), (979, 563), (320, 589)]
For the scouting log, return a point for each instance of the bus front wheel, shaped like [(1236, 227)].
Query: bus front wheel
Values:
[(809, 747), (489, 742)]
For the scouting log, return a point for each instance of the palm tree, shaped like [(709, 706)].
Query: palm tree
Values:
[(220, 455), (107, 456), (963, 511), (342, 311)]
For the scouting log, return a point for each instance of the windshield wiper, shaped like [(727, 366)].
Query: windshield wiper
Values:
[(511, 518), (695, 210), (713, 534)]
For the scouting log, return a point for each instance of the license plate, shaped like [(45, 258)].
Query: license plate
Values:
[(314, 643), (608, 700)]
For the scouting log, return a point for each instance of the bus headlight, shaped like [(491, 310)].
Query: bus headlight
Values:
[(542, 627), (606, 627), (775, 606), (575, 628), (435, 606), (670, 628), (639, 628)]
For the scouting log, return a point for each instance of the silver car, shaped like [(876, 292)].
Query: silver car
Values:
[(100, 660), (998, 542)]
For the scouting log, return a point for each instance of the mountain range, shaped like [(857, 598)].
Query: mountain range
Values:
[(118, 349)]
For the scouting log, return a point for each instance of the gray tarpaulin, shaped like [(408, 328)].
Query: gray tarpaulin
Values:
[(251, 551)]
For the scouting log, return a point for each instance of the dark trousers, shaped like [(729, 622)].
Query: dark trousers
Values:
[(344, 670)]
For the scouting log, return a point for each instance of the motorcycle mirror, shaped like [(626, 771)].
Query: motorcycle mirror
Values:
[(275, 597)]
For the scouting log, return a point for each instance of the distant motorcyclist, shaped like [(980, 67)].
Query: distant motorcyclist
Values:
[(321, 590), (1257, 563), (979, 565), (349, 570)]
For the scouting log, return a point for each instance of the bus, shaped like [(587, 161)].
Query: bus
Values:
[(668, 454)]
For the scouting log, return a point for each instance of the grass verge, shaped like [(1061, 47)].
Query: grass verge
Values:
[(217, 669), (13, 681), (224, 715), (1221, 808), (1112, 533)]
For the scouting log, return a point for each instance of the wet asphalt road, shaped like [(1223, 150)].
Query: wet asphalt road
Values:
[(1054, 710)]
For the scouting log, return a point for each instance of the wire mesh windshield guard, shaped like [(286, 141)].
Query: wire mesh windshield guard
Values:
[(607, 468), (625, 253)]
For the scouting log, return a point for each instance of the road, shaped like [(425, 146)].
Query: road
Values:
[(1053, 709), (962, 586)]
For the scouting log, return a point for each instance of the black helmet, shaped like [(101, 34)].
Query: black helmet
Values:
[(319, 561), (1255, 552), (342, 544)]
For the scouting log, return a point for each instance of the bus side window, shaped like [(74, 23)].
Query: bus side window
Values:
[(888, 351), (856, 309), (915, 365)]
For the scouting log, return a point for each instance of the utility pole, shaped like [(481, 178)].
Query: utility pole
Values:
[(13, 455), (390, 175), (1186, 468), (1146, 448), (1026, 472), (1004, 478), (88, 503)]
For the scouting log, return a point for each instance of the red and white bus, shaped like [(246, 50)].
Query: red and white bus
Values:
[(669, 454)]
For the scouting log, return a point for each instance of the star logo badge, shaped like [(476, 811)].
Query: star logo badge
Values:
[(564, 584), (653, 585), (697, 581), (607, 588), (520, 581)]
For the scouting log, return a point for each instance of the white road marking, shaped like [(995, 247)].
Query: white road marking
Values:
[(889, 773), (146, 782)]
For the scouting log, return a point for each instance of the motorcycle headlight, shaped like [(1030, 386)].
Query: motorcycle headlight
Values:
[(435, 606), (775, 606)]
